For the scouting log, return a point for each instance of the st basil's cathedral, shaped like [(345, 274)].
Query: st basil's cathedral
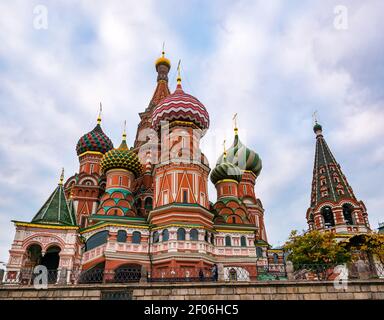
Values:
[(146, 208)]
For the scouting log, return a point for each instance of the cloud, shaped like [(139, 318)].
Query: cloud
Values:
[(273, 63)]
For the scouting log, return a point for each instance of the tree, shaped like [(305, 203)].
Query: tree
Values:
[(372, 244), (316, 247)]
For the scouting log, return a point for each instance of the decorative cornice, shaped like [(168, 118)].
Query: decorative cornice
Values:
[(43, 226)]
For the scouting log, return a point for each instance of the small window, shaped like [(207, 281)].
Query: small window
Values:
[(259, 252), (193, 235), (181, 234), (165, 235), (228, 242), (120, 181), (136, 237), (230, 189), (206, 236), (165, 197), (233, 220), (92, 168), (212, 239), (121, 236), (148, 203), (185, 196), (155, 237), (243, 241), (244, 189)]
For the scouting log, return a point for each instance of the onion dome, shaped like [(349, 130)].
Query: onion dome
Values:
[(225, 170), (95, 140), (180, 106), (317, 128), (162, 61), (121, 158), (242, 157)]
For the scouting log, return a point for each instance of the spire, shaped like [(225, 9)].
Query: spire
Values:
[(99, 117), (328, 182), (55, 210), (163, 65)]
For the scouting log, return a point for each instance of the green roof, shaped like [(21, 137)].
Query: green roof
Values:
[(56, 210)]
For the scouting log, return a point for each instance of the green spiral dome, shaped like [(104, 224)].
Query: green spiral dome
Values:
[(243, 157), (225, 170), (121, 158)]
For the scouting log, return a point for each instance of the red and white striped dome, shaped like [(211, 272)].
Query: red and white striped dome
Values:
[(182, 107)]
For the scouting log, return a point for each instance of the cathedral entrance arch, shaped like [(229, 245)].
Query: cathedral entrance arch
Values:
[(51, 261)]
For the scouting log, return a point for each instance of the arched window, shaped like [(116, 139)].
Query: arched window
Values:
[(228, 241), (327, 214), (148, 203), (212, 239), (181, 234), (121, 236), (275, 258), (193, 235), (165, 235), (347, 213), (243, 241), (155, 237), (259, 252), (138, 204), (136, 237), (206, 236), (96, 240)]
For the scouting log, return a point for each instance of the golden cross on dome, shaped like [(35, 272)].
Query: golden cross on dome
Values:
[(225, 151), (124, 132), (99, 117), (178, 72), (61, 177), (235, 122), (163, 51)]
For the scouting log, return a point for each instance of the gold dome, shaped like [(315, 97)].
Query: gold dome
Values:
[(163, 60)]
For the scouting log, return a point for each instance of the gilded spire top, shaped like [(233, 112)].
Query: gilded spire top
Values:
[(235, 123), (99, 116), (61, 177), (178, 73), (124, 131)]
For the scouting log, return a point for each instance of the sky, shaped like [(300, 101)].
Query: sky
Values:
[(272, 62)]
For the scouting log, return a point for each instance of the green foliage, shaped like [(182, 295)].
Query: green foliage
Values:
[(316, 247)]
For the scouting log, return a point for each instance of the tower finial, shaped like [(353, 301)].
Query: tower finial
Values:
[(314, 117), (163, 51), (317, 128), (235, 123), (178, 73), (225, 150), (124, 132), (99, 117), (61, 177)]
